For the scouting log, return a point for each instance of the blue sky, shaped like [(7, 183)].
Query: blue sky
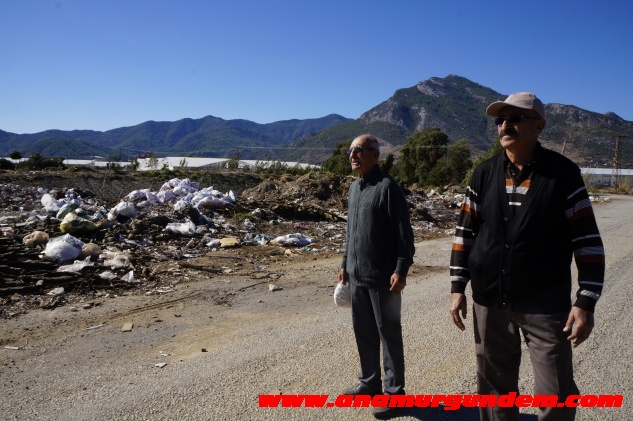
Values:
[(100, 65)]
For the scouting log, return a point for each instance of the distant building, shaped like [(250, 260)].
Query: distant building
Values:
[(601, 177), (175, 162)]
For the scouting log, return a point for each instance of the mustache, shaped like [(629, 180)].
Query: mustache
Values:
[(508, 132)]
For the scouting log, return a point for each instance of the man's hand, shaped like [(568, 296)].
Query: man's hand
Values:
[(342, 276), (457, 304), (398, 282), (583, 321)]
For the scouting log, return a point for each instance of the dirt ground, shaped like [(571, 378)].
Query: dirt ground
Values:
[(209, 314)]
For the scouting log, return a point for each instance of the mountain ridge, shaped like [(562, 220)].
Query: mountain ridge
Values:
[(454, 104)]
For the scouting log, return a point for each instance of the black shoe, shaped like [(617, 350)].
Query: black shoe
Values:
[(361, 389), (384, 412)]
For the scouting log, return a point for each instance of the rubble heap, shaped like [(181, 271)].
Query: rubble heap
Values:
[(62, 242)]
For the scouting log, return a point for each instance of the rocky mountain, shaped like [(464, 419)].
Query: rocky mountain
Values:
[(458, 107), (454, 104)]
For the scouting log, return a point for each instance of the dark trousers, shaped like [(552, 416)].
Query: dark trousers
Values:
[(498, 349), (376, 320)]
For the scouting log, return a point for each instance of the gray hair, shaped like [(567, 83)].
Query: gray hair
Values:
[(371, 140)]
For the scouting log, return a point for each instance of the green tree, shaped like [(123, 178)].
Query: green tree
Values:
[(35, 161), (232, 164), (453, 166), (386, 164), (494, 150), (420, 155), (134, 164), (15, 156), (338, 163), (5, 164), (152, 162)]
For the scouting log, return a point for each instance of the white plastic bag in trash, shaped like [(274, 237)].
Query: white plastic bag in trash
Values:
[(185, 228), (165, 196), (50, 203), (76, 266), (125, 209), (343, 295), (63, 248), (129, 277), (296, 239), (115, 260)]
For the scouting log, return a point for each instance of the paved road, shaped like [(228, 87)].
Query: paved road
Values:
[(293, 341)]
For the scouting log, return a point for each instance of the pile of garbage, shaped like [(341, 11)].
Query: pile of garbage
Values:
[(62, 240)]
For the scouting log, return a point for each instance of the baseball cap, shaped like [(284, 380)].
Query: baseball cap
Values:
[(523, 100)]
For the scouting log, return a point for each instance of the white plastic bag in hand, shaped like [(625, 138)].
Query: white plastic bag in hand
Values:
[(343, 295)]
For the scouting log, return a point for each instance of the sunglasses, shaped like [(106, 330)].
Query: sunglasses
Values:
[(514, 118), (359, 149)]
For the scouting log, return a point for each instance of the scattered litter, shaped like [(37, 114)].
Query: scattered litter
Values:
[(145, 230), (272, 287), (297, 239), (35, 238), (109, 275), (127, 327), (76, 266), (186, 228), (75, 224), (56, 291), (91, 250), (229, 242), (161, 365), (63, 248), (14, 348), (95, 327), (129, 277), (159, 291), (115, 260)]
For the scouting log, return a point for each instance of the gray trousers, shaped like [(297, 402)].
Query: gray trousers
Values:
[(376, 320), (498, 350)]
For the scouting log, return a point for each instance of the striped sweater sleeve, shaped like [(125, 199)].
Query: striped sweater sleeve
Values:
[(587, 247), (463, 240)]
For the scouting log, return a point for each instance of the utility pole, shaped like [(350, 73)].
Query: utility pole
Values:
[(615, 175)]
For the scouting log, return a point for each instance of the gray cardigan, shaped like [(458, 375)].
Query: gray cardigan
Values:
[(379, 236)]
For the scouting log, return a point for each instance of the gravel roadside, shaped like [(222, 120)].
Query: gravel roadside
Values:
[(219, 359)]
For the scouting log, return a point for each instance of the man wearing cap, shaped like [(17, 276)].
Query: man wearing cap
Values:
[(526, 213), (379, 251)]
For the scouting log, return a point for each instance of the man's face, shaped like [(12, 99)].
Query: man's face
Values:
[(362, 157), (522, 134)]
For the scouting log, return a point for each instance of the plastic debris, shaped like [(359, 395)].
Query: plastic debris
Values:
[(129, 277), (63, 248), (75, 224), (76, 266), (56, 291), (296, 239)]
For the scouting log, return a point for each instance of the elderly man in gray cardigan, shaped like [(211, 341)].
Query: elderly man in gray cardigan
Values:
[(378, 253)]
